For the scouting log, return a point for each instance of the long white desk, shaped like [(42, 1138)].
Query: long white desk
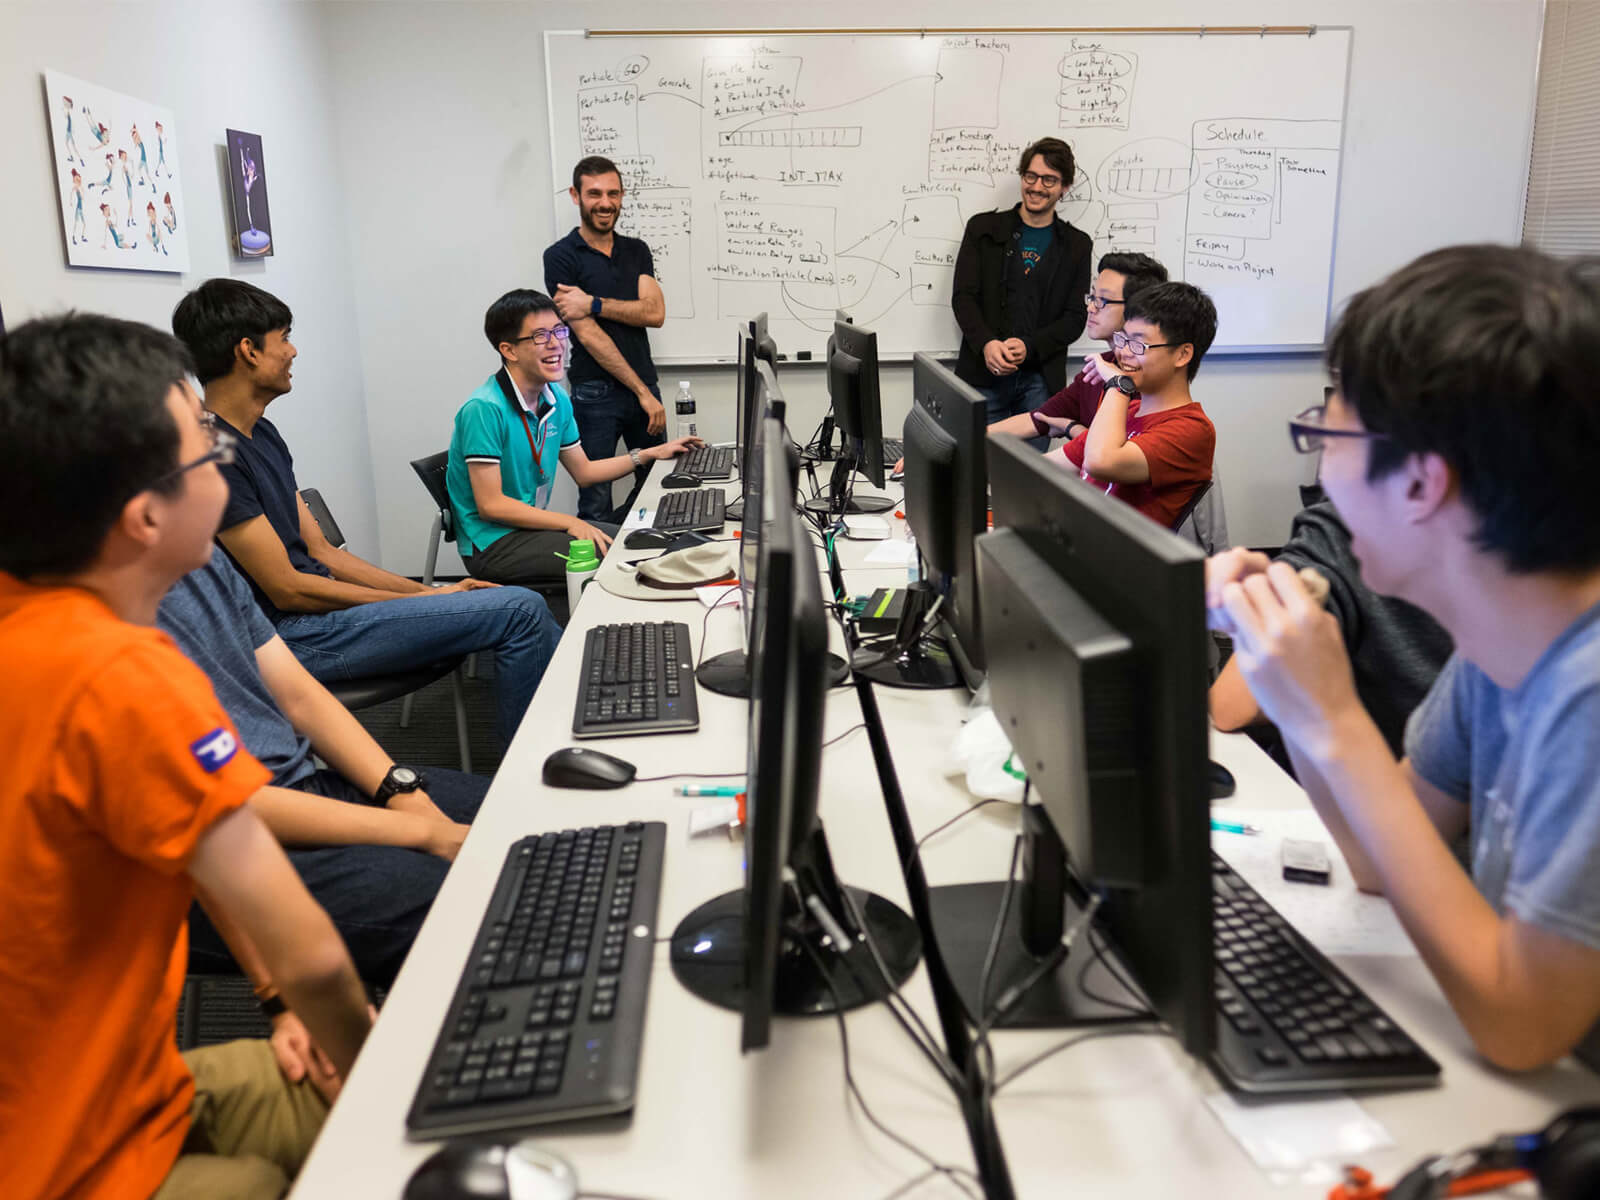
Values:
[(1123, 1116)]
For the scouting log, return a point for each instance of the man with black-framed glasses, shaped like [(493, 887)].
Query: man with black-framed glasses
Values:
[(1459, 447), (1020, 278), (343, 617), (509, 439), (1150, 444)]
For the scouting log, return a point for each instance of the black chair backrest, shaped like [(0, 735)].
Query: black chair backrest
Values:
[(324, 516), (1194, 501), (431, 471)]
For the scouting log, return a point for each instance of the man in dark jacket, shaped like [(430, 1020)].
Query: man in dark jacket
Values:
[(1020, 279)]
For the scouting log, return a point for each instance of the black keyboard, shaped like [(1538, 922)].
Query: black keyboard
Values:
[(636, 679), (893, 451), (1288, 1020), (708, 462), (702, 510), (548, 1020)]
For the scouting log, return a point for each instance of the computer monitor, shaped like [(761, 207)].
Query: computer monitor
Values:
[(858, 414), (755, 346), (729, 673), (764, 949), (1094, 631), (947, 508)]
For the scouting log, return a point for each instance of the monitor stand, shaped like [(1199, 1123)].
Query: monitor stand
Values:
[(1083, 990), (728, 673), (708, 946), (910, 658), (838, 501)]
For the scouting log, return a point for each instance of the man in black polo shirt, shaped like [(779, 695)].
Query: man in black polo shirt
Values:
[(1020, 279), (604, 287)]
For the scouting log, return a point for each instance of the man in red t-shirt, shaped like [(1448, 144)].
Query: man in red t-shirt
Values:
[(1122, 275), (1150, 443), (125, 796)]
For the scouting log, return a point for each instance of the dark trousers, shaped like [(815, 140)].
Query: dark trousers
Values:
[(376, 895), (607, 411), (528, 556)]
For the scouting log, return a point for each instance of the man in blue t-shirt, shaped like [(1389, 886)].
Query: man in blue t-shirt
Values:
[(605, 289), (1459, 448), (343, 617), (374, 864), (510, 436)]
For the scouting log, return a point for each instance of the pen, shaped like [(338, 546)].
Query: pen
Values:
[(695, 789), (1234, 827)]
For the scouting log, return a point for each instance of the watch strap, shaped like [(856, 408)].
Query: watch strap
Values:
[(272, 1006), (594, 306), (634, 454)]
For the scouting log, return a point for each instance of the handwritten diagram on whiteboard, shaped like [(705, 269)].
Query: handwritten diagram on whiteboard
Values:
[(798, 175)]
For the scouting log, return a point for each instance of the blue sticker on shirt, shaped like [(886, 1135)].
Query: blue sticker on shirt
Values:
[(215, 750)]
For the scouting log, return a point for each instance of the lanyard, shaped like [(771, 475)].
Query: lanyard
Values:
[(537, 448)]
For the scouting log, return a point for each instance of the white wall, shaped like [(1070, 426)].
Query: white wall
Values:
[(260, 67), (442, 123)]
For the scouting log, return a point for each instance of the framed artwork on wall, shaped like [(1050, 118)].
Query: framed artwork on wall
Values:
[(117, 178), (247, 192)]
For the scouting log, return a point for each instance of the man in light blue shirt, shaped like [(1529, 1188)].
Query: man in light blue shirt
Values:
[(509, 437), (1459, 448)]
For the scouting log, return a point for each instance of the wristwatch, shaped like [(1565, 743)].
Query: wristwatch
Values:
[(271, 1006), (1126, 386), (594, 306), (634, 454), (400, 779)]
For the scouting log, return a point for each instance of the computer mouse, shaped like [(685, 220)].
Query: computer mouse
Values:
[(1221, 781), (681, 479), (579, 767), (646, 539), (487, 1171)]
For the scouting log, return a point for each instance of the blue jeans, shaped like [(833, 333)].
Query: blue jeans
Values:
[(377, 896), (1013, 394), (606, 411), (402, 634)]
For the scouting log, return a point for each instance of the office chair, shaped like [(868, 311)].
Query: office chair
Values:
[(1204, 524), (356, 694)]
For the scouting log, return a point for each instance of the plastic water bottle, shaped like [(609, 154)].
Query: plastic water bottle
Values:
[(582, 563), (685, 407), (913, 563)]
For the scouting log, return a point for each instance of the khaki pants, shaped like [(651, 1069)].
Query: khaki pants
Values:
[(251, 1128)]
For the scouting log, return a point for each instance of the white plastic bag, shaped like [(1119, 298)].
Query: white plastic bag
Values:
[(982, 753)]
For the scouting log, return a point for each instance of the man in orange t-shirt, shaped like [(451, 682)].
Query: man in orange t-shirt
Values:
[(1150, 443), (124, 796)]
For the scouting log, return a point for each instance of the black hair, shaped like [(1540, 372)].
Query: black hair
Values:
[(1488, 357), (219, 314), (1183, 311), (1138, 271), (84, 427), (503, 321), (1056, 154), (594, 165)]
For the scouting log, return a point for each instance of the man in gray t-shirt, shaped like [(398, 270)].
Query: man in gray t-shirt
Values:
[(1459, 447), (375, 867)]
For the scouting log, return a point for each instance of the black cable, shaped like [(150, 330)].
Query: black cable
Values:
[(954, 1174), (1077, 1039), (916, 851), (705, 621), (1098, 946)]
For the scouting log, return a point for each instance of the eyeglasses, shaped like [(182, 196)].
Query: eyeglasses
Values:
[(1309, 430), (224, 448), (1136, 345), (1096, 303), (540, 337), (1049, 181)]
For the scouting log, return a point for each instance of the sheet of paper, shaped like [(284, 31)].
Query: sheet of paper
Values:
[(1303, 1141), (638, 518), (1335, 917), (891, 553), (722, 595)]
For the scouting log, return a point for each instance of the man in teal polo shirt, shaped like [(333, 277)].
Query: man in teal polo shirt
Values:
[(510, 435)]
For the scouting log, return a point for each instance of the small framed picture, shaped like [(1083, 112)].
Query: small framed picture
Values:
[(247, 191)]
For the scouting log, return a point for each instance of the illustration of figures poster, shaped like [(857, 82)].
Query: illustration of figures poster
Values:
[(117, 178), (247, 187)]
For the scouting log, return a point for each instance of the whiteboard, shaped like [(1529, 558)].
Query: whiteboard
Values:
[(798, 174)]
